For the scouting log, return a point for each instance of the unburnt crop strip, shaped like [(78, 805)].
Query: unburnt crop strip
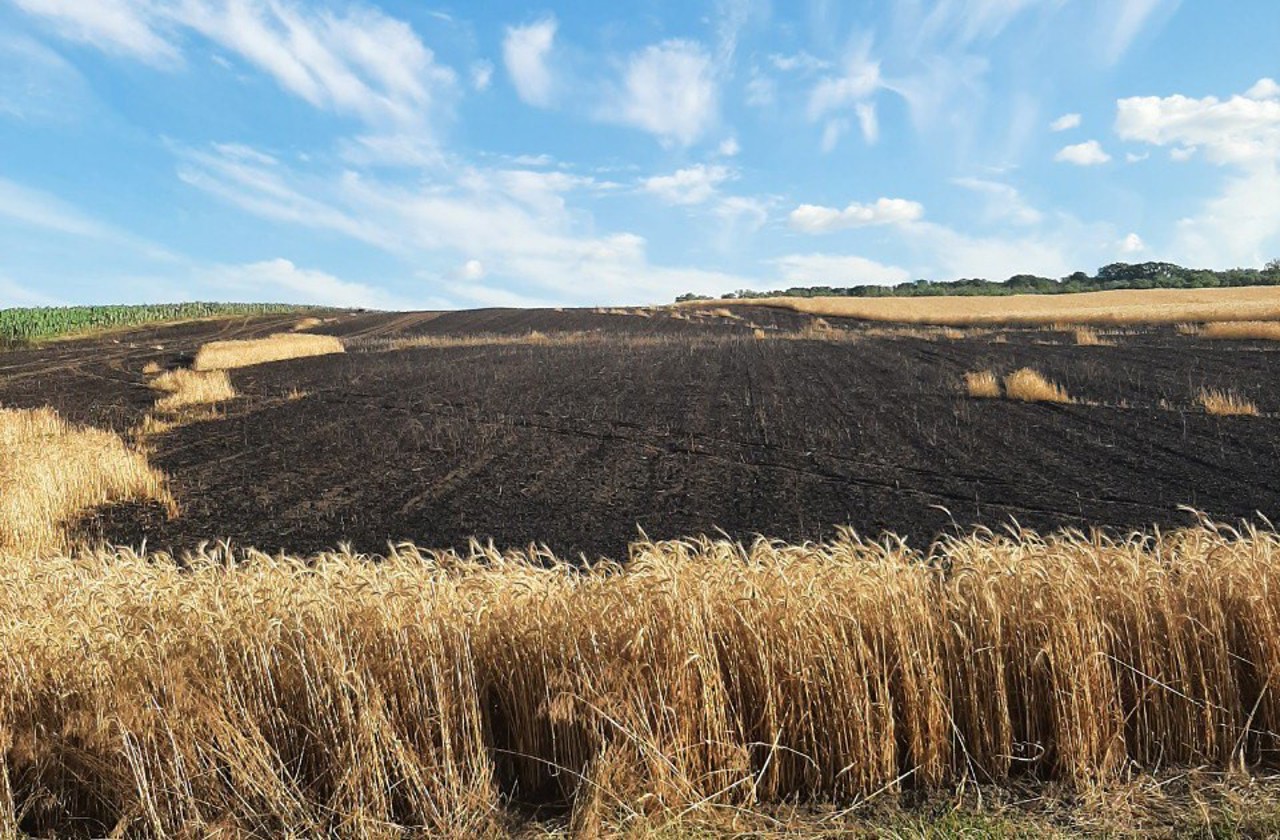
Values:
[(428, 691)]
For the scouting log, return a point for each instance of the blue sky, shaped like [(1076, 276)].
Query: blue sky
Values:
[(408, 153)]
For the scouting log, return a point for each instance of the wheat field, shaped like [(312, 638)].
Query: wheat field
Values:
[(1128, 306), (222, 355), (52, 471), (241, 694)]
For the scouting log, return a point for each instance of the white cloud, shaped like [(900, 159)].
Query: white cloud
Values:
[(1133, 157), (279, 280), (1238, 130), (514, 221), (728, 147), (117, 26), (1004, 202), (471, 270), (525, 51), (1132, 244), (668, 90), (1238, 227), (691, 185), (1241, 225), (837, 270), (1088, 153), (1065, 122), (359, 62), (860, 80), (812, 218), (1264, 89), (743, 211), (481, 75)]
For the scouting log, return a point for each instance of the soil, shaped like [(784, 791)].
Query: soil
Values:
[(670, 427)]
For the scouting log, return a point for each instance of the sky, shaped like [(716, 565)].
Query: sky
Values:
[(417, 154)]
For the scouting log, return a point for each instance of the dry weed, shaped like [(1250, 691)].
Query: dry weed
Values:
[(982, 383), (1086, 337), (1029, 386), (1226, 403), (221, 355)]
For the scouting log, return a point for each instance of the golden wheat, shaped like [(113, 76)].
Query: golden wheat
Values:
[(1030, 386), (982, 383), (221, 355), (52, 472), (1127, 306), (1226, 403), (191, 387), (256, 695), (1242, 330)]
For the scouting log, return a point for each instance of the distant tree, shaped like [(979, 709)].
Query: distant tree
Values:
[(1272, 267)]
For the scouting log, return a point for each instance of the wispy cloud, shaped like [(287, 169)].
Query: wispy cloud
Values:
[(669, 90), (525, 52)]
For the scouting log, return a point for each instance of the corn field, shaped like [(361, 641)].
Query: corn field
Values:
[(433, 694), (32, 324)]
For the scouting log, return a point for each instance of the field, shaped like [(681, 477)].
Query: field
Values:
[(592, 639), (609, 425), (34, 324), (1146, 306)]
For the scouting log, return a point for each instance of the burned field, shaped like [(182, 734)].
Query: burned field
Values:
[(579, 429)]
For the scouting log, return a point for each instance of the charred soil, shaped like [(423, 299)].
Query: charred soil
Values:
[(603, 424)]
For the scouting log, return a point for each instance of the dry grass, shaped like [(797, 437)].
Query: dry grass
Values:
[(440, 342), (1226, 403), (982, 383), (1243, 330), (263, 696), (1029, 386), (1145, 306), (307, 324), (221, 355), (1086, 337), (151, 368), (52, 472), (192, 387)]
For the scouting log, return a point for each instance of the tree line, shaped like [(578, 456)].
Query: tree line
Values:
[(1119, 275)]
